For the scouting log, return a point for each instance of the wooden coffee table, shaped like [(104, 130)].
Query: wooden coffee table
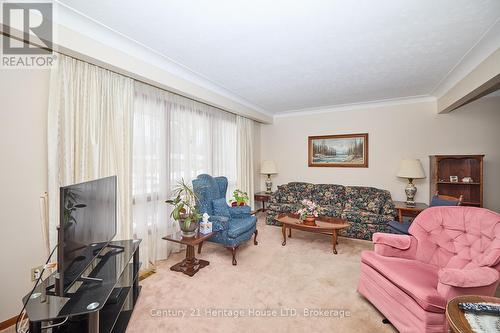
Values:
[(190, 265), (324, 225)]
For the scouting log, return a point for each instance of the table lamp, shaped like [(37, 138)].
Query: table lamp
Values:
[(411, 169), (268, 168)]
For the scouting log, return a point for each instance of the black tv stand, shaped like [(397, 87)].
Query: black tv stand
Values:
[(89, 279), (116, 249), (104, 301)]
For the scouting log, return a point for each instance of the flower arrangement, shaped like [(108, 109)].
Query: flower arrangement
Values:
[(240, 198), (309, 209)]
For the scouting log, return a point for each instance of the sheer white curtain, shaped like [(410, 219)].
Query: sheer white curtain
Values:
[(203, 140), (223, 135), (89, 134), (174, 138), (101, 123), (245, 130), (151, 178)]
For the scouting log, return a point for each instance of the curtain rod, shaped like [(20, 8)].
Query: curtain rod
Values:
[(113, 71)]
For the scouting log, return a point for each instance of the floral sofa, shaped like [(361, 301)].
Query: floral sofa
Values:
[(367, 209)]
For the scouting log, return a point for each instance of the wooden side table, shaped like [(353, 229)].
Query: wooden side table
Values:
[(262, 197), (405, 210), (455, 316), (190, 265)]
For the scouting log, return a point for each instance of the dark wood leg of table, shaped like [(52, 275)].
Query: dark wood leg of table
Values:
[(263, 206), (199, 247), (289, 232), (334, 240), (283, 230), (189, 266)]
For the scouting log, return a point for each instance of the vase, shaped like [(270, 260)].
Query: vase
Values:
[(310, 220), (189, 231)]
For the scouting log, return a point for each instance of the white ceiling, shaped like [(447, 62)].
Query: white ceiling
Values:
[(293, 55)]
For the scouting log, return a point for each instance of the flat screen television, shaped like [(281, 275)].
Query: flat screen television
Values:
[(87, 224)]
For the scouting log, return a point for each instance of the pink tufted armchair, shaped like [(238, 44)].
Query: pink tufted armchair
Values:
[(450, 251)]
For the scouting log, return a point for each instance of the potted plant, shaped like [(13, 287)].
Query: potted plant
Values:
[(184, 208), (309, 212), (240, 198)]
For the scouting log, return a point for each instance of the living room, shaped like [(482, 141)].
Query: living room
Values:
[(212, 128)]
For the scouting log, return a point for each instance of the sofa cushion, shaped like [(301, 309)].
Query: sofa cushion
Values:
[(362, 216), (417, 279), (293, 192), (331, 211), (283, 207), (362, 230), (329, 195), (238, 226), (367, 198)]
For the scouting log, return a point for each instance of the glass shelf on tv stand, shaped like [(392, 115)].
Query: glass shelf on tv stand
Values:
[(114, 269)]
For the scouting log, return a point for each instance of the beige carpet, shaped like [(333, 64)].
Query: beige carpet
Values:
[(300, 276)]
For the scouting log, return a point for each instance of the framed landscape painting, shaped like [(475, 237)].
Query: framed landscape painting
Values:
[(346, 150)]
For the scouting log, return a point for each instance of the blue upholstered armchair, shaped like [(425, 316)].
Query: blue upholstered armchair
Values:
[(234, 225)]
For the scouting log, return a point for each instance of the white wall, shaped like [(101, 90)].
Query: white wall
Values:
[(395, 132), (256, 156), (23, 177)]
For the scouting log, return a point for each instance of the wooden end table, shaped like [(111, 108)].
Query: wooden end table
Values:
[(405, 210), (455, 316), (190, 265), (324, 225), (262, 197)]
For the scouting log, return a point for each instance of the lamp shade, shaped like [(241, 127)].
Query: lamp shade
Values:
[(268, 167), (411, 168)]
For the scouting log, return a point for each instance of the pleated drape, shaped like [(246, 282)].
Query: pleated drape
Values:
[(89, 134)]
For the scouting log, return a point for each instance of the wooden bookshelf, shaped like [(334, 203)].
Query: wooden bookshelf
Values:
[(444, 166)]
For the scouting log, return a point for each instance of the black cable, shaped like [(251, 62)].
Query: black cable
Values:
[(32, 290)]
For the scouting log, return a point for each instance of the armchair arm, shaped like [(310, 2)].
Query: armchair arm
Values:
[(467, 278), (476, 281), (219, 223), (237, 211), (391, 245)]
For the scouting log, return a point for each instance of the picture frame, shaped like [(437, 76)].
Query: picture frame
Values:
[(453, 179), (342, 150)]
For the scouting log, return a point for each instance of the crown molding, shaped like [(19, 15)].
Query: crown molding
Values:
[(71, 18), (481, 50), (358, 106)]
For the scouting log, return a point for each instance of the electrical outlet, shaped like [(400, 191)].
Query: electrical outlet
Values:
[(35, 273)]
